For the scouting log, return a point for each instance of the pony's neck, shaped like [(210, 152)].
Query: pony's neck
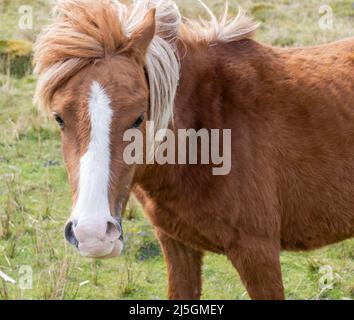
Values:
[(195, 107)]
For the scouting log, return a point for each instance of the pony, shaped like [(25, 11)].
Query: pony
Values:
[(105, 68)]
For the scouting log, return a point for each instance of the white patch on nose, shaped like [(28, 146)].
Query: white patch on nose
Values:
[(92, 206)]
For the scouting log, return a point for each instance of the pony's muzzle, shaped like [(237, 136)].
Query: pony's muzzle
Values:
[(98, 240)]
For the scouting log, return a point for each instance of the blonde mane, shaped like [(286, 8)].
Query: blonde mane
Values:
[(224, 30), (86, 30)]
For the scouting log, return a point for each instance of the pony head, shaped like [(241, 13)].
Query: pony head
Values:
[(104, 68)]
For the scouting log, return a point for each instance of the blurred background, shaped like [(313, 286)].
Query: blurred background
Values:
[(35, 200)]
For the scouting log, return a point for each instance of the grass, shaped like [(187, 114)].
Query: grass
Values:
[(35, 194)]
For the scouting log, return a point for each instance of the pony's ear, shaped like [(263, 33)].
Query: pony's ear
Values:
[(143, 35)]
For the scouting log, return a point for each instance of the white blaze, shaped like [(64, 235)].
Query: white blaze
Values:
[(92, 204)]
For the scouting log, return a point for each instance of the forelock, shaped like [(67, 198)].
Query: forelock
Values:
[(83, 31)]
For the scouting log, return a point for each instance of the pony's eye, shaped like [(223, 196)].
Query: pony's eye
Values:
[(59, 120), (138, 122)]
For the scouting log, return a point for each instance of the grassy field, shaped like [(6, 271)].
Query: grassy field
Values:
[(35, 195)]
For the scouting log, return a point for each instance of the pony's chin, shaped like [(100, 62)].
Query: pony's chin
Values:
[(115, 252)]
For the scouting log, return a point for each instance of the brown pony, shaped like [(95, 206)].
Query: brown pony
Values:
[(104, 68)]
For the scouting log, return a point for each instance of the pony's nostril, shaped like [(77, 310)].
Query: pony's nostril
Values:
[(112, 231), (69, 234), (120, 231)]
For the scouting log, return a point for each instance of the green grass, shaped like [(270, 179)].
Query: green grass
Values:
[(35, 194)]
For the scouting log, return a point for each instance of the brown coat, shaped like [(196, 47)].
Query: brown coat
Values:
[(291, 187)]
